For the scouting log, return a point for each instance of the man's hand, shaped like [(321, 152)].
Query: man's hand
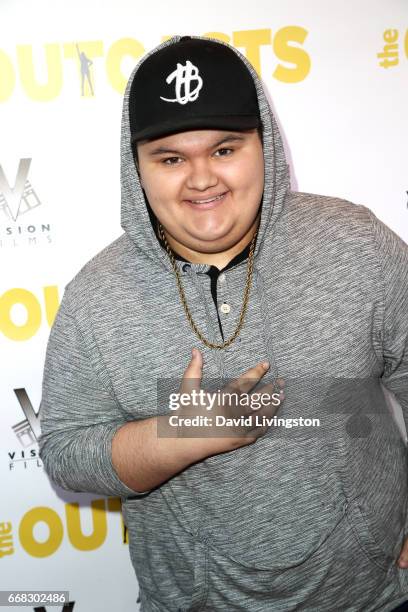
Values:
[(403, 558), (211, 438), (147, 452)]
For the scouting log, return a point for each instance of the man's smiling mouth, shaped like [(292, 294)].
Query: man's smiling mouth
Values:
[(198, 202)]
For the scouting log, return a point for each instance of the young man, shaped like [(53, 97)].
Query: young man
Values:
[(219, 254)]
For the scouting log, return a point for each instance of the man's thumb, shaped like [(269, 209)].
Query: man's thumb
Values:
[(193, 373)]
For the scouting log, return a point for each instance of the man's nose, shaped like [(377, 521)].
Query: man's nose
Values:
[(201, 175)]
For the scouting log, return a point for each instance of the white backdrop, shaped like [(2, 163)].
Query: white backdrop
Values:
[(336, 73)]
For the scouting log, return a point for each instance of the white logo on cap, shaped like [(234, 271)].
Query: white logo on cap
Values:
[(184, 75)]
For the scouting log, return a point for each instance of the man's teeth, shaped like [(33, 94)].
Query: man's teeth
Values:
[(206, 201)]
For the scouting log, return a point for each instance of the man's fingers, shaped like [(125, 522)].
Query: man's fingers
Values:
[(248, 380), (255, 401), (272, 398), (274, 389), (403, 557)]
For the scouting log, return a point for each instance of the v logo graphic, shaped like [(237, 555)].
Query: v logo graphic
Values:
[(13, 195), (32, 417)]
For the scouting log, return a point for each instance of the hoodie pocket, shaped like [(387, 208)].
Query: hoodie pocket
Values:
[(172, 602), (360, 523), (348, 566), (200, 585)]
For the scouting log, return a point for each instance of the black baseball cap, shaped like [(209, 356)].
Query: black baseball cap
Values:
[(191, 84)]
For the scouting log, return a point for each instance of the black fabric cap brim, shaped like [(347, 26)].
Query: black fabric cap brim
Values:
[(241, 122)]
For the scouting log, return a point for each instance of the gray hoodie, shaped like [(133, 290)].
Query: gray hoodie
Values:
[(306, 518)]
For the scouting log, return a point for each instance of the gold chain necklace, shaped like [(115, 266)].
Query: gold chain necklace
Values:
[(184, 301)]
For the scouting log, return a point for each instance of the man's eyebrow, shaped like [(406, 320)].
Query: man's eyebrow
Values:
[(229, 138)]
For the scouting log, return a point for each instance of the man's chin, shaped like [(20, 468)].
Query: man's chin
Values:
[(209, 244)]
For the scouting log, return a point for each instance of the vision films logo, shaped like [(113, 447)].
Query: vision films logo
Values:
[(20, 224), (27, 433)]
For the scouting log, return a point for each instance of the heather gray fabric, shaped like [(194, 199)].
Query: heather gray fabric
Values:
[(305, 518)]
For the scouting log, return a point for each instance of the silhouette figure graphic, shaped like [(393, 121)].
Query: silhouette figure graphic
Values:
[(85, 72)]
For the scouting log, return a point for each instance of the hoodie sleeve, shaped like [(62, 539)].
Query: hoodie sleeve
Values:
[(78, 415), (393, 260)]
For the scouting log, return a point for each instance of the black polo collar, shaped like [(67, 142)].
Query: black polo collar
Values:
[(214, 272)]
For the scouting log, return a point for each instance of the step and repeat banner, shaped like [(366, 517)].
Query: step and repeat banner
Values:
[(337, 77)]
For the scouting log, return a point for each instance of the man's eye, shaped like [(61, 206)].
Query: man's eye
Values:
[(171, 161), (223, 152)]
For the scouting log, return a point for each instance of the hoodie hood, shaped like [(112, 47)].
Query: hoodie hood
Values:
[(135, 217)]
